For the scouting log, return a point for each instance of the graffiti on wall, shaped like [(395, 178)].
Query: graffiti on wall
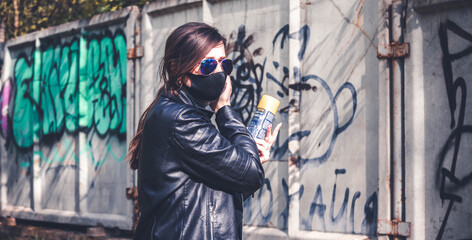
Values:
[(449, 182), (67, 87), (247, 85), (345, 217), (248, 81)]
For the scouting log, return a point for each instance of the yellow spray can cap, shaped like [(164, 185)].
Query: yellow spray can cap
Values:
[(269, 103)]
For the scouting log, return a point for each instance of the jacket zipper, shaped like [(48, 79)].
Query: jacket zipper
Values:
[(211, 221)]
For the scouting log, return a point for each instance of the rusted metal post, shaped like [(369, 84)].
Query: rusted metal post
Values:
[(397, 67), (132, 194), (135, 54), (395, 51)]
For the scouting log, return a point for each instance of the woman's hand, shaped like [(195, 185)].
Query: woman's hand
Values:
[(225, 97), (264, 145)]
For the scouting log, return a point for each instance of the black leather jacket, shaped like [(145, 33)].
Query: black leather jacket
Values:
[(192, 177)]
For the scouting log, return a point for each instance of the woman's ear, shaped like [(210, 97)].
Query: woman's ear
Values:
[(172, 67), (186, 80)]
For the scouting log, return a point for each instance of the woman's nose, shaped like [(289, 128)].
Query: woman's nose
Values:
[(218, 67)]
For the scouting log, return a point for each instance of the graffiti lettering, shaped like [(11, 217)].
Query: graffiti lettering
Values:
[(66, 87), (318, 210), (70, 87), (247, 88), (337, 129), (249, 77), (444, 174)]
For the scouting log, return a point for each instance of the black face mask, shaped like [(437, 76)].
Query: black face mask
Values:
[(207, 88)]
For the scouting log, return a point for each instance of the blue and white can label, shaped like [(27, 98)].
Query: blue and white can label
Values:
[(260, 122)]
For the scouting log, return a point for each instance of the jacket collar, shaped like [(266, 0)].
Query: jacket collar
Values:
[(184, 97)]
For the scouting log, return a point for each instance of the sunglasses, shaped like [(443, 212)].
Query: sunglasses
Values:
[(207, 66)]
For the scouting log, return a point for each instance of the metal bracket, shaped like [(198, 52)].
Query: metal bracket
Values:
[(136, 52), (393, 50), (393, 228)]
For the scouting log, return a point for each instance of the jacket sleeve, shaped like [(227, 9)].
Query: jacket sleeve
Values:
[(225, 159)]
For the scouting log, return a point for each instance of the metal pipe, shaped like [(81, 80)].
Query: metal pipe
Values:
[(397, 13)]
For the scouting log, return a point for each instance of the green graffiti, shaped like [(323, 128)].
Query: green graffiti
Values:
[(86, 151), (102, 82), (23, 109), (73, 86)]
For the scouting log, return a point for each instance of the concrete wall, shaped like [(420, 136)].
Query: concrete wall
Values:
[(439, 119), (64, 122), (319, 59), (330, 168)]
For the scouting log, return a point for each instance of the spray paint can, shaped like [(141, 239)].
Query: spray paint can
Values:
[(265, 114)]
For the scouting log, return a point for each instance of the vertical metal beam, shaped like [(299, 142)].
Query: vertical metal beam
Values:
[(36, 178), (385, 192), (294, 122), (36, 164), (84, 159), (133, 41), (396, 24), (415, 130)]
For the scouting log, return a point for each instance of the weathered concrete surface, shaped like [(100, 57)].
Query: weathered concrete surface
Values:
[(438, 120), (64, 122)]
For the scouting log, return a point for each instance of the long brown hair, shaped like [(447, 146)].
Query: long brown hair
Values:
[(185, 47)]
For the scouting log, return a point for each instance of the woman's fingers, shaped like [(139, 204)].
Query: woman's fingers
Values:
[(224, 98), (264, 145), (272, 136), (269, 130), (264, 150)]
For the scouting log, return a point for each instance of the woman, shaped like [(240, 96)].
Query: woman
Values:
[(193, 177)]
